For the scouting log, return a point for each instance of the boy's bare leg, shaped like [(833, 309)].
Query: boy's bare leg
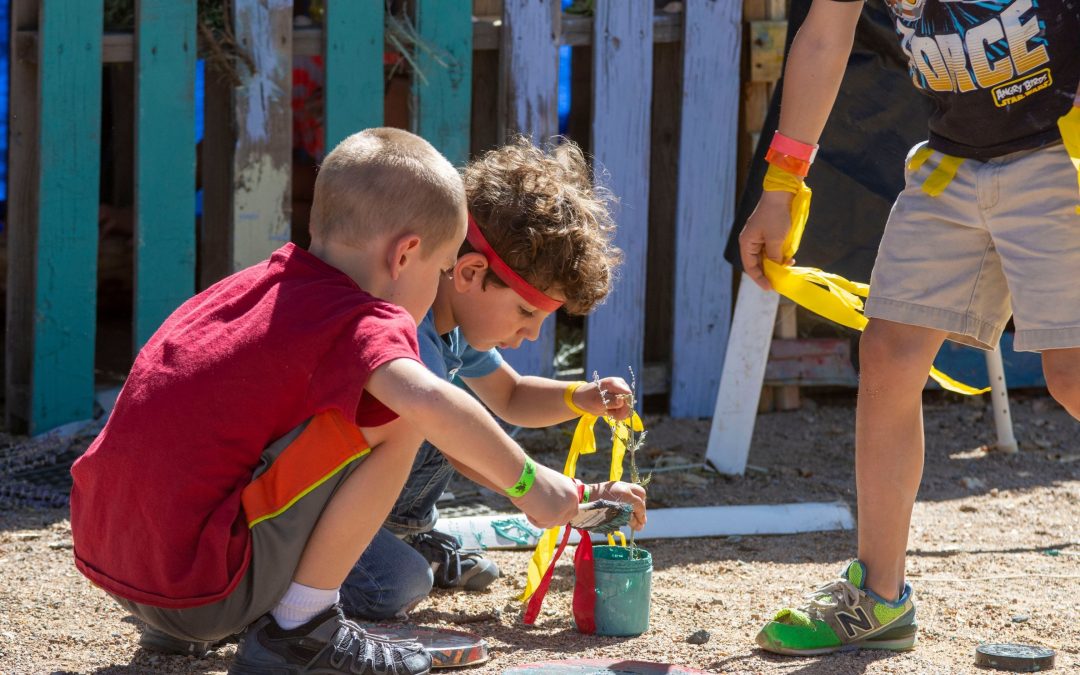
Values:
[(359, 507), (895, 359), (1062, 370)]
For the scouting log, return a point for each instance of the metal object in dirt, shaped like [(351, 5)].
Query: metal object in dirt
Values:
[(1015, 657), (447, 648)]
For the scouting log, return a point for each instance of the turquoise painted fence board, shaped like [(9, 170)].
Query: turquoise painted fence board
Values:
[(705, 204), (262, 160), (529, 74), (164, 161), (65, 288), (354, 68), (622, 70), (442, 93)]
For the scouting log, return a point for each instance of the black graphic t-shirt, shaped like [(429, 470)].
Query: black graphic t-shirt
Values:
[(1001, 72)]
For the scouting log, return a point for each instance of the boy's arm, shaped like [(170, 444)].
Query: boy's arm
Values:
[(814, 69), (464, 431), (528, 401)]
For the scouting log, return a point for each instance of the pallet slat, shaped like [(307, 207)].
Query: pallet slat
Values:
[(706, 203), (164, 161), (622, 69), (443, 99), (262, 168), (354, 68), (69, 145)]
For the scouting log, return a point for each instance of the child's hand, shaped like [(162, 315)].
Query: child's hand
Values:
[(614, 400), (627, 493), (552, 500)]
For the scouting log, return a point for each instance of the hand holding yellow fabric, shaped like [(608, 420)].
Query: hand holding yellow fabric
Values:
[(1070, 133)]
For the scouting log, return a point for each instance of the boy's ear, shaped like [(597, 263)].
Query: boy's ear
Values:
[(402, 250), (469, 271)]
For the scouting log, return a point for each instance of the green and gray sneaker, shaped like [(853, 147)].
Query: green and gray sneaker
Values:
[(842, 615)]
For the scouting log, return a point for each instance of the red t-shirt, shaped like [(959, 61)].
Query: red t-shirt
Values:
[(156, 504)]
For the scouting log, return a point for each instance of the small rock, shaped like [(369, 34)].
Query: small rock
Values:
[(695, 480), (968, 508), (1043, 443), (1020, 618), (972, 483), (57, 545), (699, 637)]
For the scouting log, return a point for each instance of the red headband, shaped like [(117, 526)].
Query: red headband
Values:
[(527, 291)]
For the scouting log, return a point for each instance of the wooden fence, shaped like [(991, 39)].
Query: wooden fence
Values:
[(663, 95)]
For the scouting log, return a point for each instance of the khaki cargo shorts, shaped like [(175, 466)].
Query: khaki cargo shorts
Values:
[(296, 477), (1001, 240)]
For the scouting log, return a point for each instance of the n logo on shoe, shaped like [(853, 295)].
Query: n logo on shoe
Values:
[(850, 623)]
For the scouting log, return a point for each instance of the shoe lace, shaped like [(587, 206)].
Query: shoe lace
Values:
[(833, 594), (441, 548), (367, 654)]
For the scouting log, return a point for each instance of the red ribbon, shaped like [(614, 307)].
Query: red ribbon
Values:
[(584, 584), (529, 293)]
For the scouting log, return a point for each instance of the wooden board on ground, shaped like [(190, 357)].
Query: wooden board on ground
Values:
[(448, 648), (600, 667)]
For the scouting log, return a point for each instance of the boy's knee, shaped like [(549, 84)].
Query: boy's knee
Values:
[(889, 348)]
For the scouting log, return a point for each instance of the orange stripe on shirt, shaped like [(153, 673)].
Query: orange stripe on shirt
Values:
[(326, 446)]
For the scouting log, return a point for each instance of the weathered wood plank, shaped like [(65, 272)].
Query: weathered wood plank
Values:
[(529, 74), (706, 202), (65, 288), (354, 68), (743, 371), (622, 69), (812, 362), (22, 220), (216, 172), (262, 201), (164, 161), (442, 91)]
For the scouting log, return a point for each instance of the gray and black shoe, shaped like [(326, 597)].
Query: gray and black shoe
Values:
[(452, 566), (329, 643)]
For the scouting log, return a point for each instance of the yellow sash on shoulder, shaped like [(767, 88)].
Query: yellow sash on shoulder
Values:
[(828, 295)]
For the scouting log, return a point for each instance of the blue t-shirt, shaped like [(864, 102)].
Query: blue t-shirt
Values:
[(449, 355)]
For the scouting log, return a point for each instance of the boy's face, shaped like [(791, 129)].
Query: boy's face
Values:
[(495, 316)]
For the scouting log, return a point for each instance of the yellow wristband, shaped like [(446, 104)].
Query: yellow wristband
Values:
[(568, 397)]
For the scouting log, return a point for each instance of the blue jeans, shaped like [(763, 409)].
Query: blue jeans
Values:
[(391, 577)]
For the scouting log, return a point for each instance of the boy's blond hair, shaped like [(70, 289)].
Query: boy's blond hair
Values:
[(386, 180), (542, 215)]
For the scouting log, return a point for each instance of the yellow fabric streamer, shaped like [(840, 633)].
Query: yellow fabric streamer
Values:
[(583, 443), (941, 176), (828, 295), (1070, 133)]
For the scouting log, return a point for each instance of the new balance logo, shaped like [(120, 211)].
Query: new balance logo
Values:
[(850, 623)]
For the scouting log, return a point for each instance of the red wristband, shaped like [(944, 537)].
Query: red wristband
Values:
[(794, 148)]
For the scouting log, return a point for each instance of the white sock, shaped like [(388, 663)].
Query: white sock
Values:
[(301, 603)]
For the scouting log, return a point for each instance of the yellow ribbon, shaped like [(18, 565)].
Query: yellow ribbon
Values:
[(1070, 133), (828, 295), (942, 174), (583, 443)]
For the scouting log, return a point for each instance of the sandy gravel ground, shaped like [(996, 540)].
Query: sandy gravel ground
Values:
[(994, 556)]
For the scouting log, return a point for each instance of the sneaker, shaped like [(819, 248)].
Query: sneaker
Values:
[(453, 567), (161, 642), (842, 615), (329, 643)]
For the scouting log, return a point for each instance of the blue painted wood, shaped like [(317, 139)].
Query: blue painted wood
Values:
[(164, 161), (69, 142), (705, 203), (1022, 369), (622, 70), (353, 89), (529, 84), (442, 93)]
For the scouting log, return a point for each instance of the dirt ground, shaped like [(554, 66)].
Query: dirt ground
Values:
[(994, 557)]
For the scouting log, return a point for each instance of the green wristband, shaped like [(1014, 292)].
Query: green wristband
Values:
[(585, 494), (525, 483)]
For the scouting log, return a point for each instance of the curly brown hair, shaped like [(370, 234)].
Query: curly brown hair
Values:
[(541, 213)]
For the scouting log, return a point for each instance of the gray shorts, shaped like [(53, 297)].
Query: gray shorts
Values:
[(295, 479), (1002, 239)]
